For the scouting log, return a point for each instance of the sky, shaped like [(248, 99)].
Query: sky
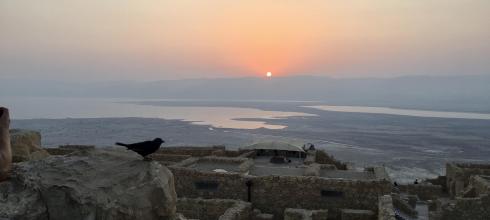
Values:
[(153, 40)]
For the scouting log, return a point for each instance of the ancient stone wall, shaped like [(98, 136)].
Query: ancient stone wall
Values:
[(295, 214), (481, 184), (193, 151), (234, 153), (315, 193), (209, 185), (212, 209), (385, 208), (303, 214), (247, 154), (458, 176), (224, 159), (312, 170), (467, 208), (243, 164), (423, 191), (440, 181), (170, 158), (240, 211), (26, 145), (355, 214), (404, 206), (273, 194), (257, 215)]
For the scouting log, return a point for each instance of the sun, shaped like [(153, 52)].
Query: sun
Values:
[(268, 74)]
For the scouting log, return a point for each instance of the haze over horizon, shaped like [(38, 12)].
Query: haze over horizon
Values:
[(153, 40)]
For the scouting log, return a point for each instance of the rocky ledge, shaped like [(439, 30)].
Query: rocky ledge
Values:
[(89, 184), (26, 145)]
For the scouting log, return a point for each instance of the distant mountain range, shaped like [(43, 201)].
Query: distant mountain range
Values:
[(453, 93)]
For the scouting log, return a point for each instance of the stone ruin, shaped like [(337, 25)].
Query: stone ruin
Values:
[(463, 193), (85, 182)]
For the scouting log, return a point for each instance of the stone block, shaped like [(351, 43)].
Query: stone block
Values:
[(26, 145), (356, 214)]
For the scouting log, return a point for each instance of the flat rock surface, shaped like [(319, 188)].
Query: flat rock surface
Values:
[(93, 184)]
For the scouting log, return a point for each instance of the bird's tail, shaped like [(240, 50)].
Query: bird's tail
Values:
[(121, 144)]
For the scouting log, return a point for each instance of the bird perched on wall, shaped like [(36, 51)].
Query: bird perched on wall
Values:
[(144, 148)]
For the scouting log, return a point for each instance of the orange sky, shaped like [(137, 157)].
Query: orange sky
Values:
[(185, 39)]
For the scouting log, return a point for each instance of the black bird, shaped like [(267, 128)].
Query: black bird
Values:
[(144, 148)]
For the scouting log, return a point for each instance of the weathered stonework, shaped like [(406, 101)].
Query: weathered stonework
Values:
[(169, 159), (263, 216), (195, 151), (316, 193), (355, 214), (303, 214), (404, 206), (312, 170), (282, 191), (197, 179), (212, 209), (481, 184), (213, 183), (385, 208), (469, 187), (467, 208), (438, 181), (230, 185), (26, 145), (458, 176), (423, 191)]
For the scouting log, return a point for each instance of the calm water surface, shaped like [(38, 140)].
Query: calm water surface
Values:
[(59, 108), (405, 112), (223, 117)]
